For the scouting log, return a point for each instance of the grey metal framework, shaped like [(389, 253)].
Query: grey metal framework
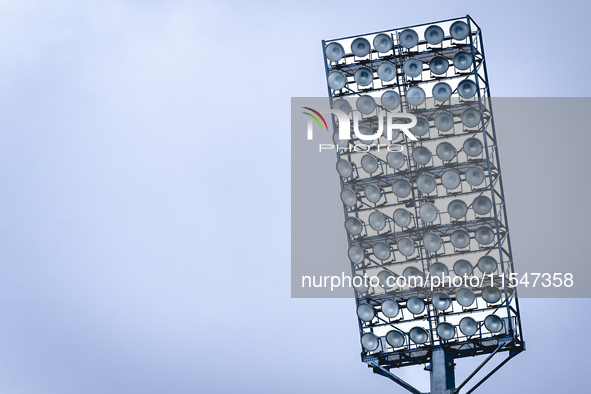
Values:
[(437, 353)]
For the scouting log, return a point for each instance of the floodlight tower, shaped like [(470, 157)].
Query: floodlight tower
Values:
[(427, 221)]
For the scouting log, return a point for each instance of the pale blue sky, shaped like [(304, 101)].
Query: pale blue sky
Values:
[(136, 253)]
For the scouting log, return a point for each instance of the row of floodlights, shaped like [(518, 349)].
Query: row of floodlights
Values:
[(432, 241), (440, 301), (462, 268), (422, 156), (390, 100), (408, 39), (441, 91), (473, 147), (428, 214), (419, 335), (412, 68), (416, 96)]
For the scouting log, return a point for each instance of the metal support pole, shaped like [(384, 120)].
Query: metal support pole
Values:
[(442, 372)]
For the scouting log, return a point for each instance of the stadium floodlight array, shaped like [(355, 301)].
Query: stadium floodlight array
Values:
[(427, 222)]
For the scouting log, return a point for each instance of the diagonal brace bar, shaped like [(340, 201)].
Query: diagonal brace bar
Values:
[(501, 344), (384, 372)]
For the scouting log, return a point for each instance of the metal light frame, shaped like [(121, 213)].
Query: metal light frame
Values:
[(438, 354)]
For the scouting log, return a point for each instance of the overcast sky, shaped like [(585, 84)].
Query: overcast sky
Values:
[(144, 230)]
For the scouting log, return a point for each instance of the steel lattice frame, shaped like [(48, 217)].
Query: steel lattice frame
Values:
[(482, 342)]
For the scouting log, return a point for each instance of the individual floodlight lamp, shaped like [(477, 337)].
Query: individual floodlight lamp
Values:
[(434, 35), (390, 308), (395, 338), (372, 193), (408, 38), (446, 331), (381, 250), (360, 47), (390, 100), (418, 335), (334, 51), (382, 43)]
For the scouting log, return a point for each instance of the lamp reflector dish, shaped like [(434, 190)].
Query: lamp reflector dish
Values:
[(372, 193), (415, 96), (408, 38), (468, 326), (422, 126), (428, 212), (465, 297), (396, 159), (342, 105), (344, 168), (438, 65), (360, 47), (395, 338), (467, 88), (491, 294), (463, 267), (444, 122), (460, 238), (421, 155), (369, 164), (487, 264), (390, 100), (484, 235), (402, 217), (340, 144), (462, 60), (439, 269), (387, 71), (426, 183), (450, 179), (418, 335), (474, 176), (384, 279), (366, 312), (401, 188), (356, 254), (334, 51), (459, 30), (441, 301), (382, 43), (390, 308), (377, 221), (470, 117), (432, 242), (353, 226), (493, 323), (336, 80), (457, 209), (482, 205), (415, 305), (363, 76), (473, 147), (349, 197), (360, 284), (445, 151), (446, 331), (406, 246), (366, 104), (381, 250), (370, 342), (412, 275), (441, 91), (434, 35), (412, 67)]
